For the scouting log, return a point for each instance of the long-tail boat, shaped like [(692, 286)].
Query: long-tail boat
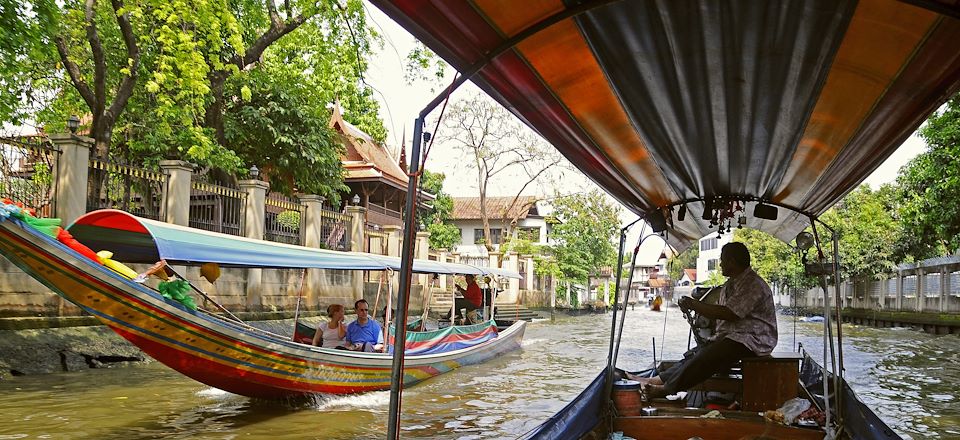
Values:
[(701, 116), (218, 350)]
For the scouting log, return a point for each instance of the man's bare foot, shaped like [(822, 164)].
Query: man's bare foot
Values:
[(655, 380), (651, 391)]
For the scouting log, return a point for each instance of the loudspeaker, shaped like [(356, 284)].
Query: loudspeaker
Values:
[(657, 221), (766, 212)]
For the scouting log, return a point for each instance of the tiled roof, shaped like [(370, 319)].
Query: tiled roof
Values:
[(658, 282), (364, 158), (691, 273), (468, 208)]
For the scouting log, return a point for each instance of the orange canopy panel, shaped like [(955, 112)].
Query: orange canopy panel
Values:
[(667, 102)]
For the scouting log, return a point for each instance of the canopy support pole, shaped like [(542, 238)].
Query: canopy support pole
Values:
[(608, 387), (406, 274)]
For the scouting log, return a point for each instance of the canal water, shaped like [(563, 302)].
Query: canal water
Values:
[(909, 378)]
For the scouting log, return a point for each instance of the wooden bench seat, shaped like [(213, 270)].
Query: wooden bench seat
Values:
[(763, 382)]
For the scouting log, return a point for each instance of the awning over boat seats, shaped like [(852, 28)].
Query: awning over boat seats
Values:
[(670, 103), (134, 239)]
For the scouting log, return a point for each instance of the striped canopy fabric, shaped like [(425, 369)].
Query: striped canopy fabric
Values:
[(133, 239), (446, 339), (671, 103)]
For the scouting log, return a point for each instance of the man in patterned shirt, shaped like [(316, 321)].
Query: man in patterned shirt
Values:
[(747, 326)]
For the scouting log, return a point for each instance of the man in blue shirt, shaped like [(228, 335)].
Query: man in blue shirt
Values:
[(364, 334)]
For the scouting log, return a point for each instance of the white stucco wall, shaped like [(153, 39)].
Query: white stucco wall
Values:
[(710, 254)]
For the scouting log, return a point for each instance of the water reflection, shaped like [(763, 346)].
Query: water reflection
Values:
[(906, 376)]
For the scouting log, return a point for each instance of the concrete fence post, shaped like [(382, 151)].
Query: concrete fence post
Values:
[(444, 257), (176, 198), (254, 226), (528, 273), (312, 220), (512, 262), (358, 222), (312, 238), (255, 222), (422, 252), (72, 170), (393, 239)]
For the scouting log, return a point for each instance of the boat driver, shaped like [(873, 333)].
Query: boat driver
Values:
[(364, 334), (747, 327), (472, 296)]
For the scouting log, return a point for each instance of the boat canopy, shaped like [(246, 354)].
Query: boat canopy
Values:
[(134, 239), (669, 104)]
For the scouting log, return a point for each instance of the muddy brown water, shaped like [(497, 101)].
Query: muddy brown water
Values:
[(908, 377)]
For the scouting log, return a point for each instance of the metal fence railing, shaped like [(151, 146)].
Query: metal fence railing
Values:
[(335, 231), (28, 172), (217, 208), (283, 220), (127, 188)]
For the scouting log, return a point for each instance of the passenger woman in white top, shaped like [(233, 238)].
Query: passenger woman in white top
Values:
[(333, 333)]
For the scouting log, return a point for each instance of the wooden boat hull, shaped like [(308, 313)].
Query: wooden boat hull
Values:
[(216, 352)]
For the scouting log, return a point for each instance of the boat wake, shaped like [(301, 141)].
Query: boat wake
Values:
[(366, 401)]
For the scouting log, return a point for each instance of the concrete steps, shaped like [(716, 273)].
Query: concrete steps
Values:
[(514, 312)]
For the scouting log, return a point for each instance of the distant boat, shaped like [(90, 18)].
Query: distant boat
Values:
[(811, 319)]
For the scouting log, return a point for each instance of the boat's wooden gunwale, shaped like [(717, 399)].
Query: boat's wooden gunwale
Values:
[(734, 426)]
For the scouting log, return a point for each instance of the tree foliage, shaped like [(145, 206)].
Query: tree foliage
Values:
[(870, 235), (443, 234), (775, 261), (585, 230), (685, 260), (930, 186), (168, 79)]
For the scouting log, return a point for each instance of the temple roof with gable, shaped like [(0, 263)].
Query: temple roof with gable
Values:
[(364, 159)]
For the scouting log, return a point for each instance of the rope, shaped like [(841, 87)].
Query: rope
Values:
[(296, 314), (376, 302)]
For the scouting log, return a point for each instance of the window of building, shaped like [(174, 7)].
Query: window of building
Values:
[(496, 236), (530, 234), (712, 264), (708, 243)]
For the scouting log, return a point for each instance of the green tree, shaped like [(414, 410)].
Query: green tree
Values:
[(775, 261), (443, 234), (585, 229), (929, 187), (715, 279), (870, 235), (184, 71), (685, 260)]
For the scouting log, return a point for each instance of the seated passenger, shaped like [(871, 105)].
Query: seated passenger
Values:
[(472, 297), (747, 327), (364, 334), (333, 333)]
